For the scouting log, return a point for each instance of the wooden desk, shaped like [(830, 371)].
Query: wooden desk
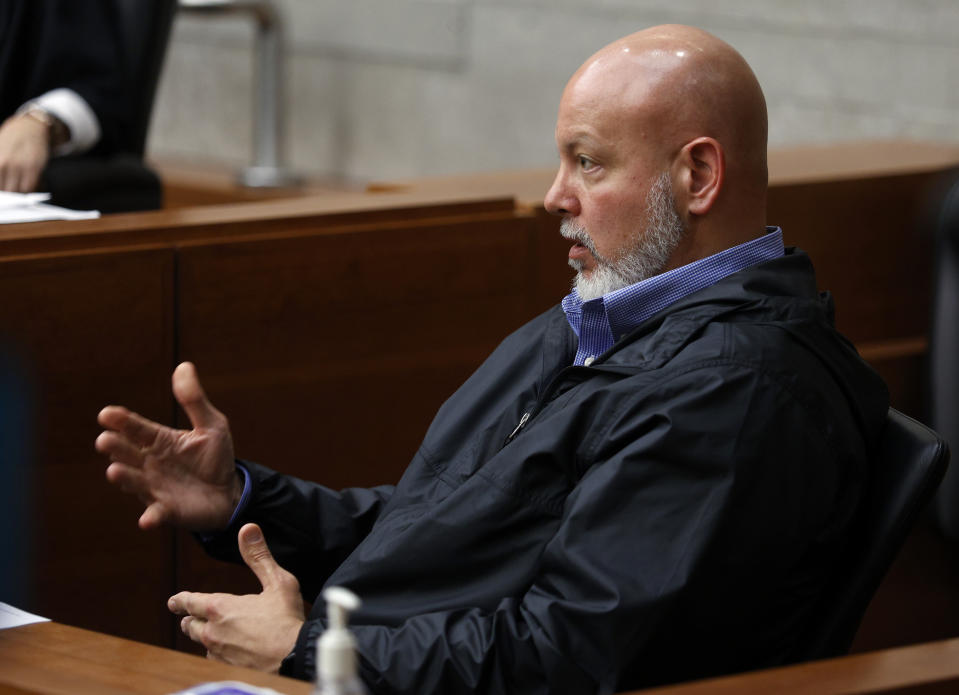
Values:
[(54, 659), (304, 215)]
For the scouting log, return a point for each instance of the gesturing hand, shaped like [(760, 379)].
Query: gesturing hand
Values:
[(184, 477), (256, 630)]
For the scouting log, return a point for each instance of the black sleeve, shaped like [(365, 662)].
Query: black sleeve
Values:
[(309, 528), (77, 45)]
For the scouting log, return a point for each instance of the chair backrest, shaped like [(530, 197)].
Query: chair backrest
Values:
[(944, 343), (145, 29), (910, 462)]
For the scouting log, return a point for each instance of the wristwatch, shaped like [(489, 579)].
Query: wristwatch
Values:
[(57, 129)]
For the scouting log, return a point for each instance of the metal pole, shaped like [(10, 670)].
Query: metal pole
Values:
[(268, 170)]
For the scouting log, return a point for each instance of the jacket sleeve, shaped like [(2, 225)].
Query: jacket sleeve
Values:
[(309, 528), (80, 48), (699, 485)]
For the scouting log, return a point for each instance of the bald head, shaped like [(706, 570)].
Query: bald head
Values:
[(678, 100), (678, 83)]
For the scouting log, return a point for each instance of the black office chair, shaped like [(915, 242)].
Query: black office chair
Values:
[(910, 463), (123, 182), (944, 343)]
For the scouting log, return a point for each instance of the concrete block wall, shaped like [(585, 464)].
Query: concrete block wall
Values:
[(386, 89)]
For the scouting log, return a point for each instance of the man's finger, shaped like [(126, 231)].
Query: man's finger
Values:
[(176, 604), (190, 395), (193, 628), (119, 448), (133, 426), (257, 555), (13, 182), (129, 479), (190, 603), (29, 178), (155, 515)]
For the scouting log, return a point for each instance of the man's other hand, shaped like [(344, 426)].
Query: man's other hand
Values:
[(256, 630), (24, 151), (183, 477)]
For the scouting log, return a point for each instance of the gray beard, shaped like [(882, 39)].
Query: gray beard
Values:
[(661, 234)]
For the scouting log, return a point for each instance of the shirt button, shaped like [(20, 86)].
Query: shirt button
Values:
[(589, 360)]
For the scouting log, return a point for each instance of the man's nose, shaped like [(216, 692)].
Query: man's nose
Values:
[(560, 199)]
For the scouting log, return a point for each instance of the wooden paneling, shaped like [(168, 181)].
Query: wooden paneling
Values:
[(864, 240), (91, 329), (870, 252), (353, 339), (301, 327), (331, 354), (918, 600)]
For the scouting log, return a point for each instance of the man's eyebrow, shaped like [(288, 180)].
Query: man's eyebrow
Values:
[(580, 138)]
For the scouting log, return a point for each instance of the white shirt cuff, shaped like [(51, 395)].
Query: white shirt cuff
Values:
[(75, 113)]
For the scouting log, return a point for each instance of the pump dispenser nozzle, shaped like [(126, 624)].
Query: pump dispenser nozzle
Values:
[(336, 672), (340, 603)]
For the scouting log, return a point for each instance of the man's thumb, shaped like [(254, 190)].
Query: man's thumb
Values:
[(189, 394), (257, 555)]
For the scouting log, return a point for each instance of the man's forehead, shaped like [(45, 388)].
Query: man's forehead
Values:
[(596, 114), (608, 88)]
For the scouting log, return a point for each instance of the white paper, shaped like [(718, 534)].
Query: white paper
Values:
[(14, 617), (29, 207), (12, 200), (41, 212)]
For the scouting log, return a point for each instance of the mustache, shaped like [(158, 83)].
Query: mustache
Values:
[(574, 232)]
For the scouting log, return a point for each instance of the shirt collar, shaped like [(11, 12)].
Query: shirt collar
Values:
[(615, 314)]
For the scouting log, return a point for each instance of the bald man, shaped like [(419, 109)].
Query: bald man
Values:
[(650, 483)]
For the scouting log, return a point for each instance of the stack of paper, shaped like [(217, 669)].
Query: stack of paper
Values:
[(29, 207)]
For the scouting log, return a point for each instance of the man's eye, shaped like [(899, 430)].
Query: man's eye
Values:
[(585, 162)]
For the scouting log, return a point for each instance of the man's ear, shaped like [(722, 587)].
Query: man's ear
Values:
[(702, 173)]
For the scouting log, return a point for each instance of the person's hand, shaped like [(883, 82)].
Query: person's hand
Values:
[(256, 630), (24, 151), (184, 477)]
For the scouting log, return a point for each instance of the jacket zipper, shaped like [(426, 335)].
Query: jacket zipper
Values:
[(522, 423), (543, 400)]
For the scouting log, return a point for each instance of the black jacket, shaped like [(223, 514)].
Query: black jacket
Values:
[(669, 512), (46, 44)]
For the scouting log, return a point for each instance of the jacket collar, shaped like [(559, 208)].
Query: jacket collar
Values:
[(781, 289)]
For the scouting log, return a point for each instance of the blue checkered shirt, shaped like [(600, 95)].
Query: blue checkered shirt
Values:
[(600, 322)]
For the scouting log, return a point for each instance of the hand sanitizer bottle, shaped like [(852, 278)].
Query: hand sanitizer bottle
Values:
[(336, 672)]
